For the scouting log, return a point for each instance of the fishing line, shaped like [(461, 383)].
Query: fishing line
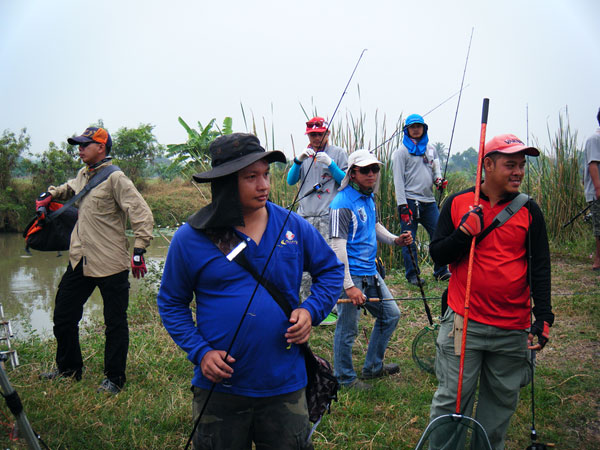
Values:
[(456, 113), (399, 129), (259, 282)]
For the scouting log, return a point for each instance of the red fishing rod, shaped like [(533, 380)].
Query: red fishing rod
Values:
[(484, 118)]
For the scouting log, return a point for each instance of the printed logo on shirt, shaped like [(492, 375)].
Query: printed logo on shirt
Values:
[(362, 214), (289, 239)]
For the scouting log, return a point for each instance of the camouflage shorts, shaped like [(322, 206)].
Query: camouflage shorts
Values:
[(234, 421), (595, 210)]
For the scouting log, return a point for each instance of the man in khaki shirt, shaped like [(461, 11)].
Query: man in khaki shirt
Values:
[(98, 256)]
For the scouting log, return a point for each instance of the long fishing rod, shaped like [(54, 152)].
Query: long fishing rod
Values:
[(461, 369), (395, 299), (456, 114), (399, 129), (420, 283), (259, 282), (577, 215)]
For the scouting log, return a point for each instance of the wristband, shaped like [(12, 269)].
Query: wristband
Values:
[(297, 161)]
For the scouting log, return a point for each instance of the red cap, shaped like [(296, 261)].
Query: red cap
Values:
[(508, 144), (316, 125)]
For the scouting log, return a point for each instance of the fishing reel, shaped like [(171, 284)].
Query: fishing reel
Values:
[(538, 445)]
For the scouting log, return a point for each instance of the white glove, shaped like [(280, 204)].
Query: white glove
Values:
[(323, 158), (309, 152)]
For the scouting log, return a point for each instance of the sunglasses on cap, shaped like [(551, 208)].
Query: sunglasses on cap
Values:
[(372, 168), (316, 124)]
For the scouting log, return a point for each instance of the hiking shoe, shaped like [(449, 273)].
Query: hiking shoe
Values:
[(415, 282), (388, 369), (331, 319), (109, 387), (444, 276), (53, 375), (358, 385)]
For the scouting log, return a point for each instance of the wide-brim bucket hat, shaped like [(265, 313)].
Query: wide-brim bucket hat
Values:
[(233, 152)]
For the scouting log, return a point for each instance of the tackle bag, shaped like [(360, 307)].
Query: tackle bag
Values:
[(48, 235), (51, 230)]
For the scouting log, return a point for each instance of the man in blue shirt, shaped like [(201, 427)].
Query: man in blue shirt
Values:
[(259, 377), (355, 230)]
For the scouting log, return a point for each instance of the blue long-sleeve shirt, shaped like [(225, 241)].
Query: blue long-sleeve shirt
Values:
[(196, 267)]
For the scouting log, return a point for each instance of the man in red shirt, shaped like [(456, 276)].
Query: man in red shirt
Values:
[(498, 335)]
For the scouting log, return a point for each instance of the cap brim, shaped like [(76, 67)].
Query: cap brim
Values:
[(238, 164), (76, 140), (529, 151), (316, 130)]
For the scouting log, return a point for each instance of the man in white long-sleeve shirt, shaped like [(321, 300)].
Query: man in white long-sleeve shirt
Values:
[(416, 169)]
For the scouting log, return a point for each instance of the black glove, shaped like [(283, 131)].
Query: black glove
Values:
[(138, 265), (405, 214), (541, 329)]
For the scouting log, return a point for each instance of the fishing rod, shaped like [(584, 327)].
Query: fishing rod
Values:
[(456, 115), (262, 273), (577, 215), (399, 129), (395, 299), (318, 188)]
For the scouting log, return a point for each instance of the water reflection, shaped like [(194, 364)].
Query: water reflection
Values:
[(28, 284)]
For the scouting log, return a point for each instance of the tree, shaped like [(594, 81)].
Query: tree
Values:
[(134, 148), (11, 147), (57, 165), (192, 156), (465, 161)]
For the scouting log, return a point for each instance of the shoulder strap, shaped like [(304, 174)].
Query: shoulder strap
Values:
[(501, 218), (100, 176), (240, 258)]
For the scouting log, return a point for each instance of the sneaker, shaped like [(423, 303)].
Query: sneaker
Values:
[(444, 276), (357, 385), (75, 374), (388, 369), (415, 282), (331, 319), (109, 387)]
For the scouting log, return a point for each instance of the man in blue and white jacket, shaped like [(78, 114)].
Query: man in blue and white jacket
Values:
[(259, 385), (355, 230)]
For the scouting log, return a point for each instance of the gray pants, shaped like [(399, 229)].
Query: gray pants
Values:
[(321, 223), (496, 358), (233, 422)]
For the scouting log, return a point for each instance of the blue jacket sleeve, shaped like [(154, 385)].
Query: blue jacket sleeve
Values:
[(338, 174), (293, 174), (174, 297), (327, 273)]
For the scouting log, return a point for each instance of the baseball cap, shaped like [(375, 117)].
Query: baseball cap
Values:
[(316, 125), (508, 144), (360, 158), (93, 134)]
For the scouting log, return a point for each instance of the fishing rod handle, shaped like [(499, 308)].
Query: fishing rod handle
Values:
[(484, 112)]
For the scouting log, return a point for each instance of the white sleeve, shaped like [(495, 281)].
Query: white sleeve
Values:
[(383, 235), (338, 245)]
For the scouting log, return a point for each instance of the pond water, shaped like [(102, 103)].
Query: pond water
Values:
[(28, 284)]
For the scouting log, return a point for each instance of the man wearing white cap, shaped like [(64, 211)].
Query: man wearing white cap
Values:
[(355, 230)]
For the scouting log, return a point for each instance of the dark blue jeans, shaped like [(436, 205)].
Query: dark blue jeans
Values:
[(426, 214)]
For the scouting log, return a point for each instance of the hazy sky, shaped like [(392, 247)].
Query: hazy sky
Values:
[(67, 63)]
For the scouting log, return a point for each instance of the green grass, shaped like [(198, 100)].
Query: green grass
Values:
[(154, 411)]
